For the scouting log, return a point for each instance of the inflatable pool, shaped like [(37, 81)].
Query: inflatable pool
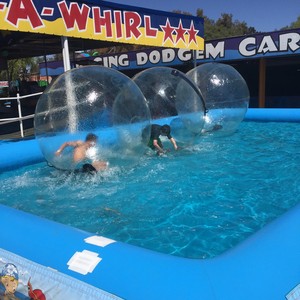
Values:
[(47, 260)]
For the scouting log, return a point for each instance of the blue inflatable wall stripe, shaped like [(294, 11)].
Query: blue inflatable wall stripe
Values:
[(265, 266), (273, 114), (15, 155)]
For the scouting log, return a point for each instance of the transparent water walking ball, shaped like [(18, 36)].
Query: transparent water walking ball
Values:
[(173, 99), (225, 93), (94, 100)]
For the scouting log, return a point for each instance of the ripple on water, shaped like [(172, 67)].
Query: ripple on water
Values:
[(196, 203)]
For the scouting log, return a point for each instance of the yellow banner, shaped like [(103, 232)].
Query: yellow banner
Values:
[(103, 22)]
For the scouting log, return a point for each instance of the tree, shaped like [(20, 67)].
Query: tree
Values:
[(182, 12), (17, 68), (224, 27), (295, 24)]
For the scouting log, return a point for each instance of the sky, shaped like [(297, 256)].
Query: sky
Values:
[(263, 15)]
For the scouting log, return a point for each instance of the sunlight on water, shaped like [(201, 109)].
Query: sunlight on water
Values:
[(196, 203)]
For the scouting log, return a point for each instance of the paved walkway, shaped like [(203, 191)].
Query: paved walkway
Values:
[(17, 135)]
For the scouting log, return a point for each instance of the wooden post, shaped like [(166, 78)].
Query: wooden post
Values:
[(262, 83)]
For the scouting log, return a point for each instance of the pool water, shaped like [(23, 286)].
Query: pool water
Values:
[(196, 203)]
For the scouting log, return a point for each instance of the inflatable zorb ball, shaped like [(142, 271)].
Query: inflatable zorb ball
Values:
[(94, 100), (174, 100), (225, 93)]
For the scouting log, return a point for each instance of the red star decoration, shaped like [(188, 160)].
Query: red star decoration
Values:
[(168, 30), (180, 33), (192, 33)]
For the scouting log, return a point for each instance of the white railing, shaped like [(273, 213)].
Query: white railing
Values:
[(20, 117)]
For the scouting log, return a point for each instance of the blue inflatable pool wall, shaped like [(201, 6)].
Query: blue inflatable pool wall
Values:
[(62, 262)]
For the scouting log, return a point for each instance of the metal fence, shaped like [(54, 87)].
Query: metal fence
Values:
[(8, 103)]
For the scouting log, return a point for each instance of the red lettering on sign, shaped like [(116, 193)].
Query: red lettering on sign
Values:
[(150, 32), (104, 21), (23, 10), (47, 11), (132, 21), (118, 24), (74, 15)]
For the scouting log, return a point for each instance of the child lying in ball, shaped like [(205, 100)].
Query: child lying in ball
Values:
[(81, 155)]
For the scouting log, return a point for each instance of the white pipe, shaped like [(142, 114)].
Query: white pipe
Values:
[(20, 115), (65, 53), (71, 100)]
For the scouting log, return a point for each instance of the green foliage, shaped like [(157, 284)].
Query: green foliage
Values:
[(182, 12), (224, 27), (17, 68), (3, 75), (295, 24)]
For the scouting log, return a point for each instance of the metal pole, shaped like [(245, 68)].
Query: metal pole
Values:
[(70, 92), (262, 83), (65, 53), (46, 65), (194, 58), (20, 115)]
